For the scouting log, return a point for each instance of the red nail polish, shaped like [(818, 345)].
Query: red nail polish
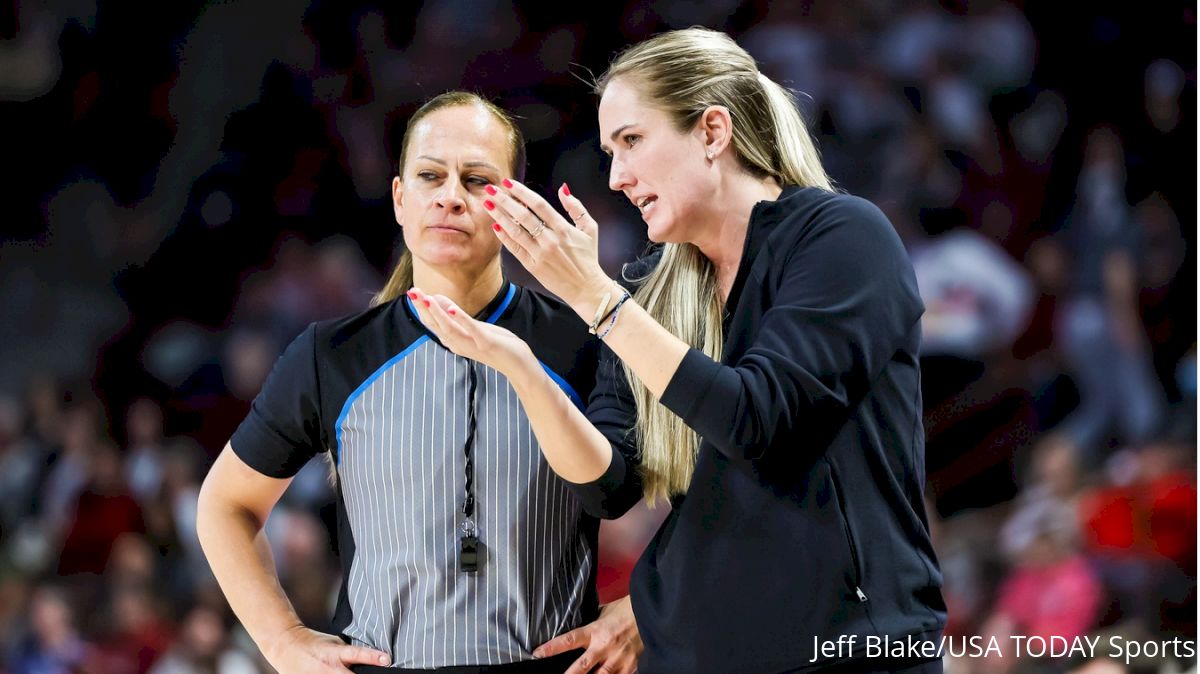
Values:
[(566, 189), (412, 295), (427, 304), (453, 312), (496, 226), (488, 204), (490, 190), (507, 183)]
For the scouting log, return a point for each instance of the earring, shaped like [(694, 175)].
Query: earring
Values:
[(709, 155)]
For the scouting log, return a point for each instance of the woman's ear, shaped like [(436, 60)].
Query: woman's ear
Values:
[(397, 198), (716, 128)]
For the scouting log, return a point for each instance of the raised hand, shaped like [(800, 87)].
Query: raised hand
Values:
[(484, 342), (564, 258)]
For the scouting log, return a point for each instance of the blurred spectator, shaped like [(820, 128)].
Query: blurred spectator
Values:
[(104, 511), (1099, 324), (53, 644), (977, 298), (1050, 591), (203, 648), (135, 634), (71, 468), (133, 562), (21, 463), (144, 452), (1140, 529)]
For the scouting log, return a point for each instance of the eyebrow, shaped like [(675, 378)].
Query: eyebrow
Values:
[(615, 133), (470, 164)]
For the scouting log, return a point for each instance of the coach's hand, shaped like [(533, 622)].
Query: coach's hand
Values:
[(612, 642), (304, 651)]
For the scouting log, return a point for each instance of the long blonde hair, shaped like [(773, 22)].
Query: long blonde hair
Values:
[(401, 278), (684, 72)]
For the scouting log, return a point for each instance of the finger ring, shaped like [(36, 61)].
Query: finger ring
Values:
[(539, 229)]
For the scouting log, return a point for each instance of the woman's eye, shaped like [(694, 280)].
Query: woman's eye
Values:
[(476, 180), (427, 175), (631, 139)]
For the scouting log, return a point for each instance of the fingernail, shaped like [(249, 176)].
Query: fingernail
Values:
[(566, 189), (507, 183), (383, 660), (487, 203), (427, 304), (490, 190), (537, 654), (453, 312), (496, 226), (412, 295)]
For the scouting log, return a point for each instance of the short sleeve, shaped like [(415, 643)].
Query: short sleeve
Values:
[(283, 430)]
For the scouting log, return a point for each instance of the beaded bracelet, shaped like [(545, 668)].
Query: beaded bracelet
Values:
[(613, 316)]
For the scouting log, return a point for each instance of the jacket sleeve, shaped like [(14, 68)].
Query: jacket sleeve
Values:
[(611, 410), (845, 301)]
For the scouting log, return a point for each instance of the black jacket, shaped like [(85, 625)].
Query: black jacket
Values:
[(805, 516)]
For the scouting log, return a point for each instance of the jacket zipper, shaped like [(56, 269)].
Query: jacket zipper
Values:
[(858, 591)]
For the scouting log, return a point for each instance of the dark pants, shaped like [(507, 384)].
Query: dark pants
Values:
[(552, 665)]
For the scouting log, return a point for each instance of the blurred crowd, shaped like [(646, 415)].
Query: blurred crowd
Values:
[(196, 182)]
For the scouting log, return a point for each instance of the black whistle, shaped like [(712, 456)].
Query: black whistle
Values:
[(468, 554)]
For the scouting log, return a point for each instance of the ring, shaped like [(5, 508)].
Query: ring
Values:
[(539, 229)]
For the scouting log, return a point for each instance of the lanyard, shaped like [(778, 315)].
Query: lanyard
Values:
[(470, 550)]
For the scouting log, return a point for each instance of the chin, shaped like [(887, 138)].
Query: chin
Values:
[(663, 235)]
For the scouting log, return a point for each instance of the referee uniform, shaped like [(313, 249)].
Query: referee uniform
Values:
[(417, 433)]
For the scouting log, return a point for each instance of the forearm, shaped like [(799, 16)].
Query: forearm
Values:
[(575, 450), (645, 346), (240, 557)]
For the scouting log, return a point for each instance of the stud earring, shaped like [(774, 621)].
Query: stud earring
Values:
[(710, 155)]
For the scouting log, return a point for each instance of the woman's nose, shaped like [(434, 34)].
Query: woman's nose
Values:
[(618, 177), (452, 198)]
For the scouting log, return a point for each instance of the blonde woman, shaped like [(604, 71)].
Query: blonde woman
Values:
[(762, 378), (459, 546)]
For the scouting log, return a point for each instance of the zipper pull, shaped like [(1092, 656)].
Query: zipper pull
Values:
[(862, 596)]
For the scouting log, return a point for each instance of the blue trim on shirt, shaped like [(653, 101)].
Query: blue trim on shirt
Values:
[(562, 384), (363, 387), (512, 292)]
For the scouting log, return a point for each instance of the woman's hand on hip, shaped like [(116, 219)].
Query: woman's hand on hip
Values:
[(564, 258), (305, 651), (489, 344), (612, 642)]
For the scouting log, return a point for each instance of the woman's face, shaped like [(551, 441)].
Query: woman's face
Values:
[(661, 171), (452, 155)]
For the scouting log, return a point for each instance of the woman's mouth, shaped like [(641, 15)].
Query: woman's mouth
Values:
[(646, 203), (446, 229)]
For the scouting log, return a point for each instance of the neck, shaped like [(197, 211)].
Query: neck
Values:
[(724, 236), (470, 289)]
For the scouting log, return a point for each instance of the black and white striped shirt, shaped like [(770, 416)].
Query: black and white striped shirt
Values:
[(391, 404)]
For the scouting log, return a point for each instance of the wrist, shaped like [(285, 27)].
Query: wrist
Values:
[(281, 641), (523, 369), (597, 299)]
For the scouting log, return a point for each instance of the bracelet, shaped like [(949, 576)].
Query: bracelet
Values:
[(599, 313), (613, 321)]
